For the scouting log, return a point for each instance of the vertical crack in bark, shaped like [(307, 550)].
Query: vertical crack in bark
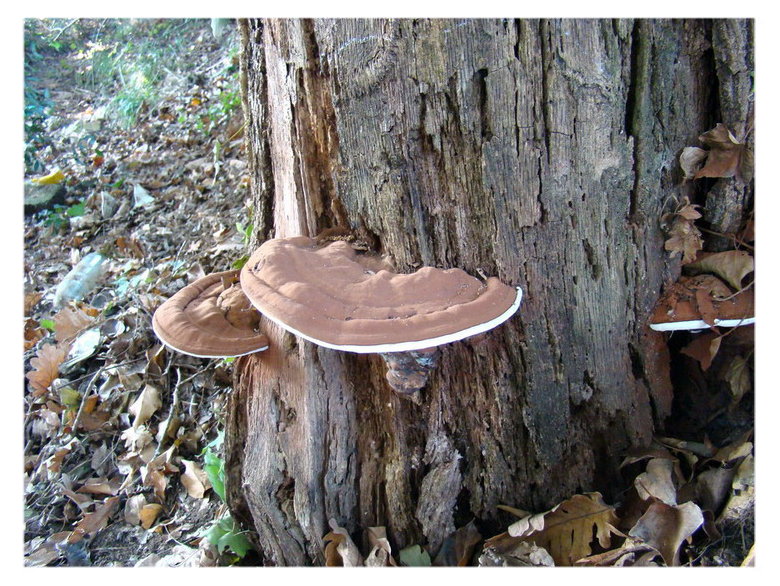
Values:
[(636, 106), (486, 131), (545, 42), (317, 136), (254, 102)]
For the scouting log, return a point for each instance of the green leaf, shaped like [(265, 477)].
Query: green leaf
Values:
[(414, 556), (47, 323), (225, 534), (239, 264), (70, 397), (75, 210), (214, 467)]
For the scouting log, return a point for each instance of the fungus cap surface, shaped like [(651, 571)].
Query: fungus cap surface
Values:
[(195, 320), (334, 297)]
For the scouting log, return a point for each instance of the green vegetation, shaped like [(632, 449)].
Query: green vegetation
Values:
[(57, 217), (122, 60), (224, 533)]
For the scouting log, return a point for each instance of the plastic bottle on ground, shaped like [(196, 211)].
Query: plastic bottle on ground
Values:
[(82, 279)]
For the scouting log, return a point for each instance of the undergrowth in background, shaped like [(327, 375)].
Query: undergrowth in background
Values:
[(123, 61)]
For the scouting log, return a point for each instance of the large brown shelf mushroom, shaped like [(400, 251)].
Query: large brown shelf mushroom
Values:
[(210, 318), (339, 299), (334, 297)]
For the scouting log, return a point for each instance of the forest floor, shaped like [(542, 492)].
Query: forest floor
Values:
[(140, 149)]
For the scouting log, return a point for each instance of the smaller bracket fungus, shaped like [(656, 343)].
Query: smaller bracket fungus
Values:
[(336, 298), (210, 318), (698, 303)]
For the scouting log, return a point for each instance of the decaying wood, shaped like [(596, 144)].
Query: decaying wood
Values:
[(541, 152)]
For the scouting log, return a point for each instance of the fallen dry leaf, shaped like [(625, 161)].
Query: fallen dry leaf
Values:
[(380, 555), (656, 482), (149, 514), (340, 550), (703, 348), (69, 322), (737, 374), (32, 333), (194, 479), (712, 488), (568, 528), (133, 508), (82, 501), (53, 464), (137, 438), (30, 301), (691, 160), (734, 451), (155, 473), (732, 266), (130, 247), (46, 366), (94, 522), (624, 555), (726, 156), (514, 553), (684, 238), (665, 527), (742, 495), (146, 405), (101, 486), (705, 306)]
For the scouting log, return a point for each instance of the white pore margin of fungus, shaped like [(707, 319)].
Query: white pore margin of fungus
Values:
[(698, 324), (413, 344)]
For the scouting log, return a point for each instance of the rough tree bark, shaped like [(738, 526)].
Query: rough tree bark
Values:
[(541, 152)]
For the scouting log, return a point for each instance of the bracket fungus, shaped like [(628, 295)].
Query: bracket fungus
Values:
[(698, 303), (336, 298), (210, 318)]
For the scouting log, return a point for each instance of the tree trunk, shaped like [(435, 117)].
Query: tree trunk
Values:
[(540, 152)]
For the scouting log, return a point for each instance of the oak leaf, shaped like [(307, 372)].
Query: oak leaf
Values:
[(684, 238), (568, 528), (46, 366)]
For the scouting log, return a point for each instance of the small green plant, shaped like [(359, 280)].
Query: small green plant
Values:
[(245, 231), (225, 534), (57, 217)]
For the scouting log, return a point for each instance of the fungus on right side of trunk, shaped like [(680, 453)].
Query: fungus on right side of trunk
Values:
[(700, 302)]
